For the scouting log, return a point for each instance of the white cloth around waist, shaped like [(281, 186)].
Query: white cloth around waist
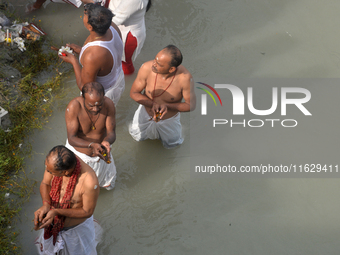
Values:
[(78, 240), (105, 172), (169, 131)]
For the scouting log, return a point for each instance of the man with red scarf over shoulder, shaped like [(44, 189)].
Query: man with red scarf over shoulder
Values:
[(69, 192)]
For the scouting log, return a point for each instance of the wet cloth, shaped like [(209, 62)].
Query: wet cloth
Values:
[(78, 240), (169, 131), (105, 172), (113, 83), (129, 17)]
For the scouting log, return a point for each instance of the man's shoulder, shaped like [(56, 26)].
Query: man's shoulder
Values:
[(146, 67), (108, 103), (75, 104), (94, 52), (181, 70), (184, 75), (145, 70), (89, 174)]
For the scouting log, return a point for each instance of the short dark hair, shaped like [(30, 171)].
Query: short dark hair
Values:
[(99, 17), (176, 55), (65, 158), (92, 87)]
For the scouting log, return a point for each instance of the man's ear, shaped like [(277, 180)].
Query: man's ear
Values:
[(172, 69), (90, 28)]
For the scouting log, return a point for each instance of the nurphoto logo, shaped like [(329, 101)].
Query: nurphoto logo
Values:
[(288, 96)]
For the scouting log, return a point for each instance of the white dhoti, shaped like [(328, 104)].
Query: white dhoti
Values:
[(169, 131), (129, 17), (116, 91), (105, 172), (78, 240)]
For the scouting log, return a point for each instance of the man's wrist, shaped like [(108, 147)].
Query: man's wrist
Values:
[(47, 203), (55, 212), (107, 142)]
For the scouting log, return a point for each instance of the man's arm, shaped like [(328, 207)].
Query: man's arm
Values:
[(110, 125), (189, 96), (72, 124), (140, 84), (45, 188), (91, 66), (89, 199), (76, 48)]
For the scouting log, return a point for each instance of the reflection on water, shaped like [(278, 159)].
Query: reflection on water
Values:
[(157, 207)]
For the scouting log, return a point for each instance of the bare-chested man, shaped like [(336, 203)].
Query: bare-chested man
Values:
[(69, 192), (165, 83), (101, 54), (91, 129)]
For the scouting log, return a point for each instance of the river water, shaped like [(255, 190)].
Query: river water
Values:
[(157, 206)]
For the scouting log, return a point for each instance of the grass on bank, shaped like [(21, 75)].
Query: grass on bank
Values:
[(29, 105)]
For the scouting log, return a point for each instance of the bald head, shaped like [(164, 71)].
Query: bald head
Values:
[(175, 54), (61, 158), (93, 88)]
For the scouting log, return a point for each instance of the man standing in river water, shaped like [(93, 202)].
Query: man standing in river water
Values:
[(165, 83), (69, 192), (91, 129), (101, 54)]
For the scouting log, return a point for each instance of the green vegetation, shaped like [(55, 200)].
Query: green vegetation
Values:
[(29, 104)]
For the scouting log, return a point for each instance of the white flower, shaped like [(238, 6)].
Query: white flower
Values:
[(20, 42), (65, 49), (6, 195)]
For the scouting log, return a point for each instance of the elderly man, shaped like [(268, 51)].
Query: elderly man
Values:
[(69, 192), (165, 83), (91, 129), (101, 54)]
